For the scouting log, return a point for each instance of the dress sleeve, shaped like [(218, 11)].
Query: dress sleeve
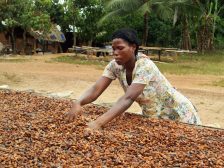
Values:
[(109, 71), (144, 72)]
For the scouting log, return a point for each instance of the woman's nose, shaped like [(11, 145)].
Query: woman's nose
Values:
[(115, 52)]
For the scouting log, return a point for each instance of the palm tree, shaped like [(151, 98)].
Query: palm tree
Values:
[(163, 8), (185, 13)]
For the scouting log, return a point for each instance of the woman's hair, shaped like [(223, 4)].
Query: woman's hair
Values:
[(129, 35)]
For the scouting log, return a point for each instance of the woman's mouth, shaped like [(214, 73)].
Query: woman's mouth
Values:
[(118, 61)]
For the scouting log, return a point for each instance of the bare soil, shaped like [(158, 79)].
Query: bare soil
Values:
[(43, 76)]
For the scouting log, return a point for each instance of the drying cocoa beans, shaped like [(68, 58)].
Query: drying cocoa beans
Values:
[(34, 133)]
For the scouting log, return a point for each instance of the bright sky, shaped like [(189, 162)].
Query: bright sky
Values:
[(61, 1)]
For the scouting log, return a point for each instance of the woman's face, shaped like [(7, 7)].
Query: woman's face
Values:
[(123, 51)]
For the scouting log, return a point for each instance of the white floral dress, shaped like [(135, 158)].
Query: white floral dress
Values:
[(158, 99)]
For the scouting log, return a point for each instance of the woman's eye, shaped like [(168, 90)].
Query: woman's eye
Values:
[(120, 48)]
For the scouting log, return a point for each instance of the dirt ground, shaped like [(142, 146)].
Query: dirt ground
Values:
[(43, 76)]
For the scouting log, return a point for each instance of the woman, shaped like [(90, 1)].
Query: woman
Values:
[(142, 82)]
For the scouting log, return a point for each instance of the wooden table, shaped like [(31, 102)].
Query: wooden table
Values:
[(158, 49), (75, 49), (91, 50), (103, 52)]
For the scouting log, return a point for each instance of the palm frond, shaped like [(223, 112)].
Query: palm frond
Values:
[(144, 8), (127, 5), (220, 9), (163, 8), (165, 13), (110, 16), (119, 8)]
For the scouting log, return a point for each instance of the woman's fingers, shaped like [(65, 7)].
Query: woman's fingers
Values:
[(73, 113), (69, 116)]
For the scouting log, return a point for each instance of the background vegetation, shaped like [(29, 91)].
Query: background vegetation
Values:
[(186, 24)]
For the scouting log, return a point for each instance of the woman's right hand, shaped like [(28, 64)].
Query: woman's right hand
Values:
[(74, 112)]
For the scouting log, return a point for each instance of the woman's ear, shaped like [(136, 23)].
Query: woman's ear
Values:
[(134, 47)]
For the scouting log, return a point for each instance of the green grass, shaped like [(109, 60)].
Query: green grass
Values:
[(81, 60), (208, 64), (11, 77), (219, 83), (16, 60)]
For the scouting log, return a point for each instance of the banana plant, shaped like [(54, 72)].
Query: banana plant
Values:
[(207, 20)]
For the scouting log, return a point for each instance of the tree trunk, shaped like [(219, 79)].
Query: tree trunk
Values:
[(73, 11), (24, 42), (74, 36), (35, 46), (60, 48), (90, 42), (43, 46), (205, 35), (13, 41), (215, 17), (186, 39), (146, 29)]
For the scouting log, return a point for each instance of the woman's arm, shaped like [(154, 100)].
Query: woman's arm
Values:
[(121, 105), (95, 91), (89, 96)]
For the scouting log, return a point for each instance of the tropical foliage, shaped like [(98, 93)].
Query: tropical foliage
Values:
[(186, 24)]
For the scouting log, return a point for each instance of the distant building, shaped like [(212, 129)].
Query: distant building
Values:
[(36, 41)]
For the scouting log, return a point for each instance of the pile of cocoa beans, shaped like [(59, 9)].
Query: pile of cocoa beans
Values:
[(34, 133)]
